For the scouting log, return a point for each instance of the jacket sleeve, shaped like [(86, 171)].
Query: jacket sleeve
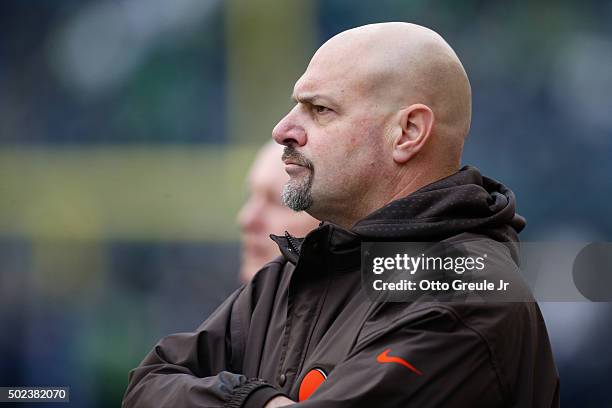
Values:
[(434, 361), (195, 369)]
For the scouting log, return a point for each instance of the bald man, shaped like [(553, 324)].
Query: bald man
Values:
[(263, 213), (372, 147)]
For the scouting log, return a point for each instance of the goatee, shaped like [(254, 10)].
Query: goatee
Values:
[(297, 193)]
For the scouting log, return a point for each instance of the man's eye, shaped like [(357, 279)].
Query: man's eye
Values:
[(321, 109)]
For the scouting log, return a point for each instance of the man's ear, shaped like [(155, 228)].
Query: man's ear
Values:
[(416, 122)]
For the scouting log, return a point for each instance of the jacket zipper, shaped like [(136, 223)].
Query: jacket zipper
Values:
[(293, 244)]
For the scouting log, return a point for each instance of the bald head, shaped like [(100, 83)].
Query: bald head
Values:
[(381, 111), (401, 64)]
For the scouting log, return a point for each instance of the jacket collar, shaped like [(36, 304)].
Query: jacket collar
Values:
[(464, 201), (339, 247)]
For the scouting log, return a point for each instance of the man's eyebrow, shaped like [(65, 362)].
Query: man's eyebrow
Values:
[(311, 99)]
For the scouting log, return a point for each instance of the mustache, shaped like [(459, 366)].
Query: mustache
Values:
[(290, 153)]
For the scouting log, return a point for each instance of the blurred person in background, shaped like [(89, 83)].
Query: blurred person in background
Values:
[(263, 212)]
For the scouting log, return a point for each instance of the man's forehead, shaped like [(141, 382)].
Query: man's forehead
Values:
[(330, 86), (312, 82)]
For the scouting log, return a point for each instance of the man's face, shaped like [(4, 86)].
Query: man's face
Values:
[(333, 138), (263, 214)]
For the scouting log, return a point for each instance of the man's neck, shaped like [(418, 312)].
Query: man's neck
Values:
[(416, 179), (402, 185)]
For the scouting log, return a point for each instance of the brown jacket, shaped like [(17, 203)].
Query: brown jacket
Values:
[(306, 312)]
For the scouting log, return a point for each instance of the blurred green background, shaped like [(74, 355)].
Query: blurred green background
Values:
[(127, 127)]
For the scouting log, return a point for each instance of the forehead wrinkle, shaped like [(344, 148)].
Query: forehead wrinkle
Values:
[(312, 98), (322, 76)]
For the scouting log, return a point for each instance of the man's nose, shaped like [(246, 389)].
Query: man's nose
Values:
[(288, 133)]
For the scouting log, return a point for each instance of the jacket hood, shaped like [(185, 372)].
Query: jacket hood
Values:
[(462, 202)]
